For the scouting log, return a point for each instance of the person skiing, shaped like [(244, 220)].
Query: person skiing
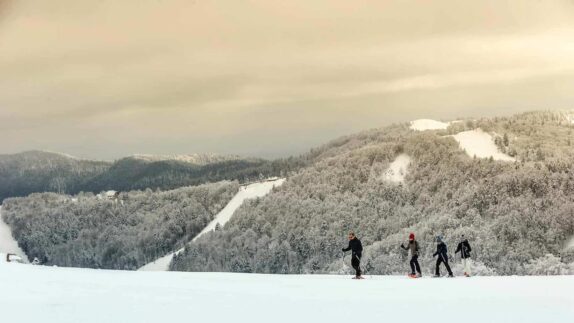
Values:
[(357, 252), (441, 252), (464, 249), (413, 246)]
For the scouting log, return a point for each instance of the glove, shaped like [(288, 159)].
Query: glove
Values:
[(402, 245)]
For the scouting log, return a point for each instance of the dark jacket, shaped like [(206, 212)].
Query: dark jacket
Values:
[(355, 246), (464, 248), (413, 246), (441, 251)]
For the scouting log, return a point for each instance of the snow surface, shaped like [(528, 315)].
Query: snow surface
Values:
[(428, 124), (480, 144), (251, 191), (397, 169), (71, 295), (7, 242)]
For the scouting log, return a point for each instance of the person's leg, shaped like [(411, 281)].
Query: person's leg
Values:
[(467, 266), (412, 263), (447, 267), (417, 266), (437, 269), (356, 263)]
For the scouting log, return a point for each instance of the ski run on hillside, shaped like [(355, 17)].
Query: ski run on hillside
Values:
[(246, 192)]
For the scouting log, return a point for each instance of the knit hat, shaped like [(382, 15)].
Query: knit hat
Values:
[(412, 236), (438, 238)]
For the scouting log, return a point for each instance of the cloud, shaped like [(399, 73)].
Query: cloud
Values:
[(230, 76)]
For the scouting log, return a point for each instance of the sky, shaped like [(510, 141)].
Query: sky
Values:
[(105, 79)]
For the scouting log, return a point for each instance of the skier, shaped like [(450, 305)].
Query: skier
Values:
[(357, 251), (413, 246), (441, 252), (464, 248)]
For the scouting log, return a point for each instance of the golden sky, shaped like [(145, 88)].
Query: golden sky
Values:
[(269, 78)]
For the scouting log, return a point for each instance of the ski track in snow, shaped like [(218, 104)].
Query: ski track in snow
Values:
[(7, 242), (397, 169), (480, 144), (247, 192), (428, 124), (70, 295)]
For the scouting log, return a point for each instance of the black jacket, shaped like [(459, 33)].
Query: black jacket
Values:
[(464, 248), (356, 247), (441, 251)]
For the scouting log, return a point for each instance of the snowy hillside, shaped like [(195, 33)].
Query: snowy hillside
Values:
[(69, 295), (247, 192), (397, 169), (7, 243), (480, 144), (428, 124)]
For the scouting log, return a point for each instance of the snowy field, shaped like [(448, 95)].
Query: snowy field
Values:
[(397, 169), (480, 144), (251, 191), (66, 295)]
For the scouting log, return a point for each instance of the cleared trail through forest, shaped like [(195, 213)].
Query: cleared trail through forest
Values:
[(251, 191), (7, 242)]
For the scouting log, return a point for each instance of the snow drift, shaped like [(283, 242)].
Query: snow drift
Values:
[(480, 144), (246, 192), (71, 295)]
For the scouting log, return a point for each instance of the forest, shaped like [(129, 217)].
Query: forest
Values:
[(518, 215), (92, 231), (37, 172)]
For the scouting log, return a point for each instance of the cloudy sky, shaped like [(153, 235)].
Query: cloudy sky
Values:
[(108, 78)]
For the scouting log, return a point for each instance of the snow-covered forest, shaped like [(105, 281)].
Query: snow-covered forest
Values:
[(518, 215), (38, 171), (93, 231), (507, 183)]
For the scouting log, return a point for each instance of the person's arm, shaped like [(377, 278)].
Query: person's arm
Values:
[(360, 246), (458, 248), (468, 249), (403, 247), (348, 247)]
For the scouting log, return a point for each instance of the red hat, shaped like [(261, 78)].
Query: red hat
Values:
[(412, 236)]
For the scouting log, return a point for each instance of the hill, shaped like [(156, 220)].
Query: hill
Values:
[(38, 171), (95, 232), (516, 205)]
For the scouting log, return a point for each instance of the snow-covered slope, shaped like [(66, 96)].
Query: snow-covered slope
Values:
[(397, 169), (71, 295), (7, 243), (428, 124), (480, 144), (247, 192)]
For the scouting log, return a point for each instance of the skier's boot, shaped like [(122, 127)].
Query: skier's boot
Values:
[(450, 276), (436, 276), (358, 277), (412, 276), (466, 275)]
